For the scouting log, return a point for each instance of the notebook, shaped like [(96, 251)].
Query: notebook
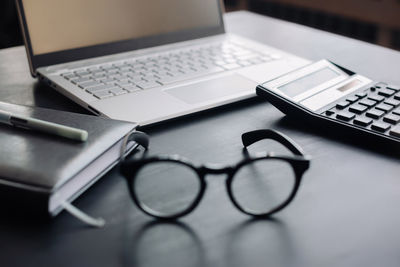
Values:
[(40, 172), (145, 61)]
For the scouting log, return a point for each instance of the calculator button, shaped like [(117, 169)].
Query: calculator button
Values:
[(393, 87), (361, 94), (329, 112), (362, 121), (352, 99), (386, 92), (392, 118), (392, 102), (345, 116), (380, 126), (358, 109), (375, 113), (342, 105), (395, 131), (367, 102), (376, 98), (384, 107), (396, 111)]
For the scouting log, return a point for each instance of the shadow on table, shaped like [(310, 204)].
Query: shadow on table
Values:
[(369, 143), (258, 242), (254, 242), (47, 97), (161, 243)]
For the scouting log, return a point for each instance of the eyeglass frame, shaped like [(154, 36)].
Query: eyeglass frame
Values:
[(299, 163)]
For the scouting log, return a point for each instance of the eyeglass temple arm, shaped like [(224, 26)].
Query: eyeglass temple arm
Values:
[(140, 138), (252, 137)]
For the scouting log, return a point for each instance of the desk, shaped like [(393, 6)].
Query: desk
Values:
[(346, 212)]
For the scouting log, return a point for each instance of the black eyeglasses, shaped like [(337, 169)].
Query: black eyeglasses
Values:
[(169, 187)]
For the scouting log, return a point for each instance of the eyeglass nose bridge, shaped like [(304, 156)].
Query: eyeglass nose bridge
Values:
[(215, 169)]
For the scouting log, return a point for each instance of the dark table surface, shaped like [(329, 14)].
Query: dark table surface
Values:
[(345, 214)]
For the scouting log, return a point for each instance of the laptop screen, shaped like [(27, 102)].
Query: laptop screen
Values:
[(58, 25)]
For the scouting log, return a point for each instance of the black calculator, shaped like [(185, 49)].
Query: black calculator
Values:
[(326, 93)]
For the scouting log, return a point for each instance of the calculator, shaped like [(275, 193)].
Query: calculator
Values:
[(328, 94)]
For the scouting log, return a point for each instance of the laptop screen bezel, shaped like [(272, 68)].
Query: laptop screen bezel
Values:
[(64, 56)]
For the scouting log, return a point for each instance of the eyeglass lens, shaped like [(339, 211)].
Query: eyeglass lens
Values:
[(166, 187), (263, 185)]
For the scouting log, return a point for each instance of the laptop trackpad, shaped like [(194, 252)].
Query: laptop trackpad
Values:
[(212, 89)]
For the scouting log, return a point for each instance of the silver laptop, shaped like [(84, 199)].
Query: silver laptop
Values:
[(144, 61)]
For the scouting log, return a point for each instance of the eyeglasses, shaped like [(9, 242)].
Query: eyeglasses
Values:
[(169, 187)]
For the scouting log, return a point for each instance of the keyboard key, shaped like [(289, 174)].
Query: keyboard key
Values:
[(384, 107), (109, 67), (395, 131), (386, 92), (376, 98), (358, 109), (352, 99), (131, 88), (108, 80), (392, 118), (147, 85), (231, 66), (92, 69), (380, 126), (115, 76), (103, 94), (98, 71), (98, 76), (362, 121), (150, 78), (123, 83), (118, 91), (244, 63), (345, 116), (342, 104), (392, 102), (81, 80), (88, 84), (367, 102), (83, 73), (397, 96), (375, 113), (100, 88), (70, 76)]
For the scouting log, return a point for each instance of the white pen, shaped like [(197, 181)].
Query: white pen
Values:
[(43, 126)]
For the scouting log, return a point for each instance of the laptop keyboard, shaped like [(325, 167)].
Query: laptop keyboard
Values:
[(137, 74)]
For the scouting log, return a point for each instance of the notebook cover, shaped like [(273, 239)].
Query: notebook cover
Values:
[(41, 163)]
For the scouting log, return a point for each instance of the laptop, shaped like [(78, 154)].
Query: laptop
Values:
[(145, 61)]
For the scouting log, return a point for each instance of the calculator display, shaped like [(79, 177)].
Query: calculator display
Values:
[(309, 81)]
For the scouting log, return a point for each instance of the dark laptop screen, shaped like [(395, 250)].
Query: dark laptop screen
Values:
[(60, 31), (57, 25)]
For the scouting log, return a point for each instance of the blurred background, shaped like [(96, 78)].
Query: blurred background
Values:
[(374, 21)]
